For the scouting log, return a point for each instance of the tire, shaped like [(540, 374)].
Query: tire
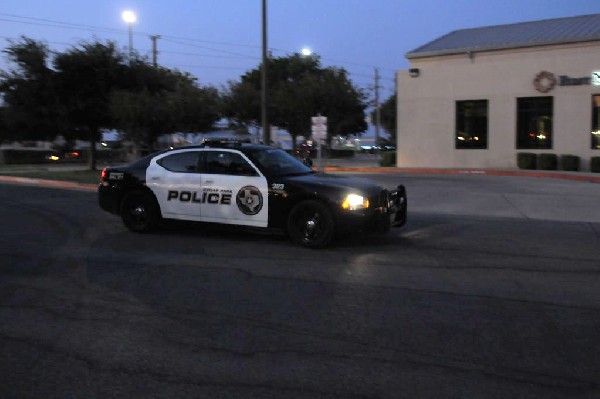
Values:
[(139, 212), (311, 224)]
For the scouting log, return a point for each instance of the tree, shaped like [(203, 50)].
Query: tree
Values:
[(94, 86), (388, 116), (86, 76), (162, 101), (32, 110), (195, 108), (299, 88)]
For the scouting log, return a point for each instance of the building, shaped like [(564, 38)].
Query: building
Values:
[(474, 98)]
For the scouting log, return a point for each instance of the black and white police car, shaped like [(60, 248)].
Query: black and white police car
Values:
[(250, 185)]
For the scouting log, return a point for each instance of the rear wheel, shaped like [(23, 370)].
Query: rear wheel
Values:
[(139, 212), (311, 224)]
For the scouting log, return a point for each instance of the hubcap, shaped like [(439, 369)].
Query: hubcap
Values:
[(311, 226)]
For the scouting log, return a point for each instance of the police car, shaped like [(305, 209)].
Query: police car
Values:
[(250, 185)]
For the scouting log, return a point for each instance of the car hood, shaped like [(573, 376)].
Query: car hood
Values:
[(320, 181)]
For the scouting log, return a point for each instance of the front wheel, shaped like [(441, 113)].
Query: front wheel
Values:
[(310, 223), (139, 212)]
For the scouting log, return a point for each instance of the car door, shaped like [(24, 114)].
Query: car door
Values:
[(175, 179), (233, 190)]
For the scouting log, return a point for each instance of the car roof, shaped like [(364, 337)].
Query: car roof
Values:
[(242, 146)]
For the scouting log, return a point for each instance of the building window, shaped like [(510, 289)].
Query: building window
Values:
[(596, 122), (471, 124), (534, 122)]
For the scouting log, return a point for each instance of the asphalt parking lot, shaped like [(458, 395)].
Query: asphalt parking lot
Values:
[(563, 196), (487, 292)]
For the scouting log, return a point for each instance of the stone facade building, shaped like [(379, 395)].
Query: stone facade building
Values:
[(474, 98)]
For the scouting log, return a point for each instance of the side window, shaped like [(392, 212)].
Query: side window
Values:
[(183, 162), (228, 163)]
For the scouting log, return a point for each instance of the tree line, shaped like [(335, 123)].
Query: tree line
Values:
[(94, 86)]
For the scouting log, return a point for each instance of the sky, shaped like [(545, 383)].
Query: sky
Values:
[(219, 40)]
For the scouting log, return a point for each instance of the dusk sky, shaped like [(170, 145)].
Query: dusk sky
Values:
[(219, 40)]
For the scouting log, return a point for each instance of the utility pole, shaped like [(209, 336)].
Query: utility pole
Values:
[(377, 108), (264, 97), (154, 38)]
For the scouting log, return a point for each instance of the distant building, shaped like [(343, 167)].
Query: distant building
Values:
[(474, 98)]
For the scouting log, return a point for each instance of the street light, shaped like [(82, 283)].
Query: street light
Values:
[(264, 94), (306, 52), (129, 17)]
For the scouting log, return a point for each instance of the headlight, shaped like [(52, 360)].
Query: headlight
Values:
[(353, 202)]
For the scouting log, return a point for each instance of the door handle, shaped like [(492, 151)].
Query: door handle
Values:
[(209, 181)]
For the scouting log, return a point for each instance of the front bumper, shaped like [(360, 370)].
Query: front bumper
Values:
[(389, 210)]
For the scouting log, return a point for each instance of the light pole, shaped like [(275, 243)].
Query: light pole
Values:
[(129, 17), (264, 98)]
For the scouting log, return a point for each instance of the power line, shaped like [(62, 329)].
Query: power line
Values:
[(204, 66), (69, 25), (175, 39), (211, 49), (64, 25)]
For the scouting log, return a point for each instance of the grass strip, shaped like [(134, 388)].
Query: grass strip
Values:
[(77, 176)]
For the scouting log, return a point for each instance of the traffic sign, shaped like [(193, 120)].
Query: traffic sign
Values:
[(319, 127)]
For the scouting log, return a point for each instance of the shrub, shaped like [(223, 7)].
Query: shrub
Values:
[(26, 156), (526, 160), (340, 153), (548, 161), (595, 164), (569, 162), (388, 158)]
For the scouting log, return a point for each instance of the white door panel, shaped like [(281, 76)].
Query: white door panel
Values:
[(236, 200), (178, 194)]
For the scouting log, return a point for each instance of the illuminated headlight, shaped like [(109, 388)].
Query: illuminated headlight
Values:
[(353, 202)]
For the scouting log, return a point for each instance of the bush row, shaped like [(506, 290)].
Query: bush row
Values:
[(17, 156), (388, 158), (529, 160), (25, 156)]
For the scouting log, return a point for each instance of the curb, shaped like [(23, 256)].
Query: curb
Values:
[(388, 170), (429, 171), (49, 183)]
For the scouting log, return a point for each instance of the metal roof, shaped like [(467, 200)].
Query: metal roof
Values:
[(577, 29)]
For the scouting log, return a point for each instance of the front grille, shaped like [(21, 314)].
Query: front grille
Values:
[(383, 201)]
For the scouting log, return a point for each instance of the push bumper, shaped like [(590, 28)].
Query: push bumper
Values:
[(390, 211)]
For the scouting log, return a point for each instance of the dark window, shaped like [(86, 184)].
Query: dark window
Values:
[(276, 162), (534, 122), (596, 122), (228, 163), (472, 124), (183, 162)]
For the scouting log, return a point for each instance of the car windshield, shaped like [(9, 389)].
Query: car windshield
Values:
[(276, 162)]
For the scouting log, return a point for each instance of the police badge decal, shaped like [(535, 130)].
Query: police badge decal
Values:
[(249, 200)]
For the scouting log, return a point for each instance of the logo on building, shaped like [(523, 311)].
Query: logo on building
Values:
[(544, 81), (596, 78)]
